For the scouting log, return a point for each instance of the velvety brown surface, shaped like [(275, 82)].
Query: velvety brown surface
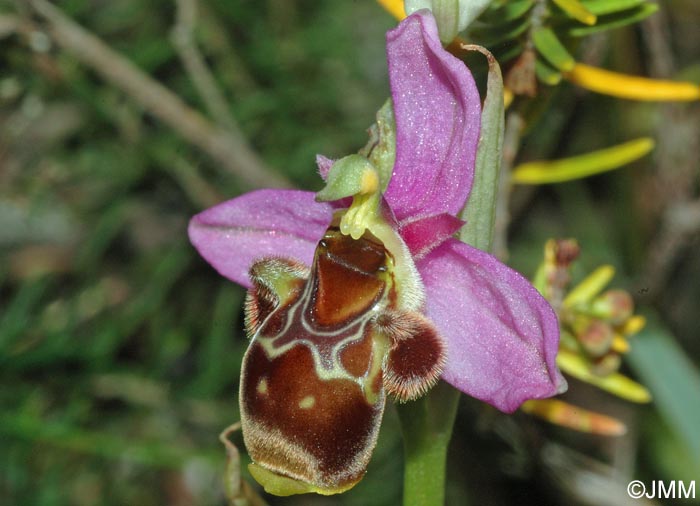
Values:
[(335, 431)]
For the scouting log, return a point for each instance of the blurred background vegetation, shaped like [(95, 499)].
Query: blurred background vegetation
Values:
[(120, 348)]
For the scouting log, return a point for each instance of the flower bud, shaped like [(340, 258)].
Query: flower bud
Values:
[(594, 335), (614, 306), (607, 364)]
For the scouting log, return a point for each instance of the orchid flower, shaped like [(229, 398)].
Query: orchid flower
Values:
[(361, 290)]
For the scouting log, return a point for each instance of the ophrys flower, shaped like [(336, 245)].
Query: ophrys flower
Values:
[(391, 300)]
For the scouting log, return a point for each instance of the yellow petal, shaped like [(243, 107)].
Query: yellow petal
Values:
[(394, 7), (620, 344), (576, 167), (634, 325), (632, 87), (573, 417), (615, 383)]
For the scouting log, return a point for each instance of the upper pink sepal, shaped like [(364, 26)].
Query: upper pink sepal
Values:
[(264, 223), (438, 118), (502, 336)]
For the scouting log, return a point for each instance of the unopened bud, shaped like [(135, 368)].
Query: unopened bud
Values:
[(595, 336), (607, 364), (566, 251), (614, 306)]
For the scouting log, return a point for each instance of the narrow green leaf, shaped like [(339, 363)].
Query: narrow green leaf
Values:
[(214, 372), (511, 10), (576, 10), (549, 46), (18, 314), (546, 73), (603, 7), (499, 34), (613, 21), (672, 378), (160, 280), (576, 167), (508, 52), (480, 212)]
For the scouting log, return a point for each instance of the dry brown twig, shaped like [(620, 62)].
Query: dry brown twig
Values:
[(182, 36), (227, 147)]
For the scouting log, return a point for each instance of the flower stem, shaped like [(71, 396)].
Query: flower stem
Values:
[(427, 428)]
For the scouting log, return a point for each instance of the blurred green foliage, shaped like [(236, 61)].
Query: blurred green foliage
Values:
[(120, 349)]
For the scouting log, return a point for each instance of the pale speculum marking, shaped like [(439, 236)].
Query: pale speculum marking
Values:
[(262, 386), (307, 402)]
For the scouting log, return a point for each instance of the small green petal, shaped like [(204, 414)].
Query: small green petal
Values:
[(349, 176)]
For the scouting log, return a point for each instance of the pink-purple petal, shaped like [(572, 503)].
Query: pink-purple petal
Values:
[(425, 234), (438, 114), (502, 336), (283, 223), (324, 165)]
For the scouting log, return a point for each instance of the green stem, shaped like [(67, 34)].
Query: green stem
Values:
[(427, 428)]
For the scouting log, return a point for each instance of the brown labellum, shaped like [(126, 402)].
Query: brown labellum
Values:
[(325, 350)]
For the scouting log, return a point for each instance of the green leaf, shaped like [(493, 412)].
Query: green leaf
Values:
[(603, 7), (508, 52), (546, 73), (480, 211), (672, 378), (576, 167), (19, 312), (617, 20), (549, 46), (511, 10), (498, 34)]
